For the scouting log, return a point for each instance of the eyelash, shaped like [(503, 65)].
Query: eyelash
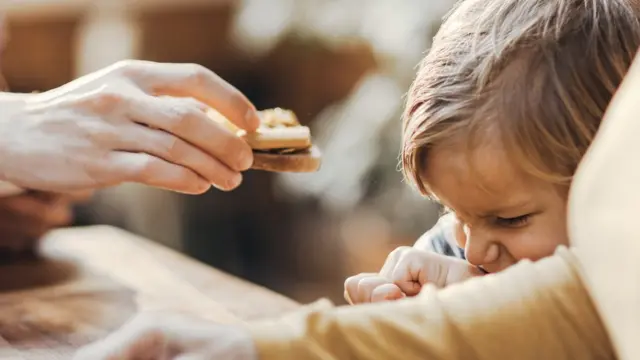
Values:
[(514, 221)]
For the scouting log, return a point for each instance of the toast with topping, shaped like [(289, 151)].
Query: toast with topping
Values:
[(280, 144)]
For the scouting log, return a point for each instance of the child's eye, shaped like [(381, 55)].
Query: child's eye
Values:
[(514, 221)]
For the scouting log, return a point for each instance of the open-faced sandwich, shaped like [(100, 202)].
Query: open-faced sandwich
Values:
[(280, 144)]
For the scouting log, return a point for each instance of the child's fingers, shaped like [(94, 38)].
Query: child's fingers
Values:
[(415, 268), (405, 267), (386, 292), (367, 286), (393, 259), (359, 288), (407, 278), (351, 287)]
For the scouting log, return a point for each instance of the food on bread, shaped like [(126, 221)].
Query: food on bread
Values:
[(280, 143), (279, 129)]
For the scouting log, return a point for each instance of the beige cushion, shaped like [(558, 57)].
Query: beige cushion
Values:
[(604, 217)]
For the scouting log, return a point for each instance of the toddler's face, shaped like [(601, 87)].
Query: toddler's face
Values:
[(511, 217)]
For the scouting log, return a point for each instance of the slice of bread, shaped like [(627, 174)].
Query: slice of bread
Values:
[(280, 144)]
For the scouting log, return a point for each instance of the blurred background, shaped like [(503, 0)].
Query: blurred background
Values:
[(342, 65)]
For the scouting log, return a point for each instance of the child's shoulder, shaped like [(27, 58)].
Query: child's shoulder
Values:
[(441, 238)]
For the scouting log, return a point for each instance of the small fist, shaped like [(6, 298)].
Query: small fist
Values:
[(369, 288), (404, 273)]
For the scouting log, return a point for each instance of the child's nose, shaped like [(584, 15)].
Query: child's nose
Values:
[(480, 249)]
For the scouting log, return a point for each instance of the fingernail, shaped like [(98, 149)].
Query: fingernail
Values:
[(245, 160), (203, 187), (251, 119), (234, 182)]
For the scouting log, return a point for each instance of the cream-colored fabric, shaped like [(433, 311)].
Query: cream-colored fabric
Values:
[(604, 212), (531, 311)]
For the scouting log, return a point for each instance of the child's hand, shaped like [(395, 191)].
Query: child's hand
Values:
[(370, 287), (404, 273)]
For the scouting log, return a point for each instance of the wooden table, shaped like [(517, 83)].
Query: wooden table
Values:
[(89, 281)]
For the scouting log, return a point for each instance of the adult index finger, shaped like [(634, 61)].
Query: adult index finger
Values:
[(196, 81)]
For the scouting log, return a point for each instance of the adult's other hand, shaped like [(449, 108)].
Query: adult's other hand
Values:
[(26, 217)]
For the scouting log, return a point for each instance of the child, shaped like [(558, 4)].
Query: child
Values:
[(503, 108)]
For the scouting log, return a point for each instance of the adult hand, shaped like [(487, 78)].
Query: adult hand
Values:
[(404, 273), (135, 121), (172, 337), (25, 218)]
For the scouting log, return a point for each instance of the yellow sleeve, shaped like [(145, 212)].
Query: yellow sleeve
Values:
[(530, 311)]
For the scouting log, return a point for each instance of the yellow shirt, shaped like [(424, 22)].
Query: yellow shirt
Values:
[(541, 310)]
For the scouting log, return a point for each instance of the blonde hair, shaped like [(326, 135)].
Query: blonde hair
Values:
[(539, 72)]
